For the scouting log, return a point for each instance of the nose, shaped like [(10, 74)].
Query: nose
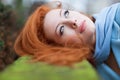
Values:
[(72, 23)]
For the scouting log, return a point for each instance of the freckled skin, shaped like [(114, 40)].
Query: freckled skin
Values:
[(57, 18)]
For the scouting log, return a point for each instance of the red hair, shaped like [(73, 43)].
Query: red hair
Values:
[(32, 41)]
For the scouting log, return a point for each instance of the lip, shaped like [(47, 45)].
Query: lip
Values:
[(82, 26)]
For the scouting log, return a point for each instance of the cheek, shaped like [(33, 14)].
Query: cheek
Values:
[(70, 36), (73, 39)]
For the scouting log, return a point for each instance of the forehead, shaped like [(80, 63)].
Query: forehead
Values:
[(53, 13), (51, 20)]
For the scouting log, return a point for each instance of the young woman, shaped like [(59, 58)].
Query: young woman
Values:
[(63, 37)]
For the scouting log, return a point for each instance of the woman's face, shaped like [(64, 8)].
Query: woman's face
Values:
[(73, 27)]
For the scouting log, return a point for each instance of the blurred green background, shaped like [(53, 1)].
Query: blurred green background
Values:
[(24, 70)]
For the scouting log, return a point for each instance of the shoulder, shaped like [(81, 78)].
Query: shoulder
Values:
[(117, 15), (118, 9)]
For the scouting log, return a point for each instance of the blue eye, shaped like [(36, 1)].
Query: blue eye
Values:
[(61, 31), (66, 14)]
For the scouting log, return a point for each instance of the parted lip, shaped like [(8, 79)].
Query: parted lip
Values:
[(82, 26)]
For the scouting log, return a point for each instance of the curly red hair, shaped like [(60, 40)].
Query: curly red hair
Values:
[(32, 41)]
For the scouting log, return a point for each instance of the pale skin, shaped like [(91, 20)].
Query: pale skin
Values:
[(63, 25)]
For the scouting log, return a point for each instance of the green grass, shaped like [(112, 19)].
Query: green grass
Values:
[(22, 70)]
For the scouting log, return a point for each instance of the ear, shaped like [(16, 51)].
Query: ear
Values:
[(54, 4)]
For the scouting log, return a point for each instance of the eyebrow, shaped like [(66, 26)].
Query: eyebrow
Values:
[(60, 13)]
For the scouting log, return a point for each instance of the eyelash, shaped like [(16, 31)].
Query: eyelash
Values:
[(66, 13), (61, 31)]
